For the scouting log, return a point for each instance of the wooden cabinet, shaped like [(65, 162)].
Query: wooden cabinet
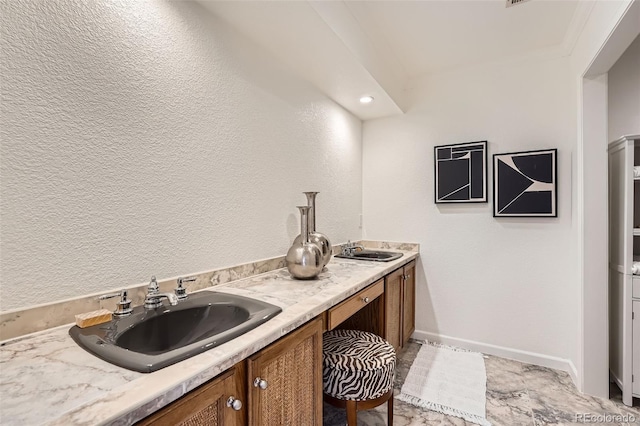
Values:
[(393, 308), (209, 404), (280, 385), (400, 310), (409, 302), (285, 380)]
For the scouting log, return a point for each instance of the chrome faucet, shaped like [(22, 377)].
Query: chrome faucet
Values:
[(123, 307), (180, 291), (350, 248), (153, 299)]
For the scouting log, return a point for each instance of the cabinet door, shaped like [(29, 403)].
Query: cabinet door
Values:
[(206, 406), (635, 358), (285, 380), (408, 302), (393, 308)]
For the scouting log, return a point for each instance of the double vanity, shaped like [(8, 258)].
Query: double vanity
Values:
[(261, 376)]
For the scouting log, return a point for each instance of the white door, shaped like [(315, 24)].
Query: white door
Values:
[(635, 358)]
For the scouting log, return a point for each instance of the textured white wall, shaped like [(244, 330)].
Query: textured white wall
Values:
[(624, 94), (145, 137), (509, 282)]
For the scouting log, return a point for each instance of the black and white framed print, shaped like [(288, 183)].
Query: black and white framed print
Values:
[(525, 184), (461, 173)]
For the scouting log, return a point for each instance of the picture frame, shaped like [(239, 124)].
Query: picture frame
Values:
[(460, 173), (525, 184)]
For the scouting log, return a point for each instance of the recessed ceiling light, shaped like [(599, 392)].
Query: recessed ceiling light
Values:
[(366, 99)]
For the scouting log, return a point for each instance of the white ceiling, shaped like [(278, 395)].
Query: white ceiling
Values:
[(430, 36), (351, 48)]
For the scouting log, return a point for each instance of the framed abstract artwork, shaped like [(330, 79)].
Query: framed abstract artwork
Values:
[(525, 184), (461, 173)]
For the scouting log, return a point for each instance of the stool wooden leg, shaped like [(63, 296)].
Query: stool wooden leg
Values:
[(352, 413), (390, 411)]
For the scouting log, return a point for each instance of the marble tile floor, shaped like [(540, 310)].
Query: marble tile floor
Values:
[(517, 394)]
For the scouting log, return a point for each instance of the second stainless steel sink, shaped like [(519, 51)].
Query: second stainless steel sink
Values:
[(371, 255), (150, 339)]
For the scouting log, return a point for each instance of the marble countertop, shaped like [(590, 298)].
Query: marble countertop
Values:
[(45, 378)]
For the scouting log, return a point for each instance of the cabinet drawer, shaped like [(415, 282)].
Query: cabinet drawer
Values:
[(636, 288), (344, 310)]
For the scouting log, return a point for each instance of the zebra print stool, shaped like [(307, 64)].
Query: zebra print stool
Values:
[(357, 372)]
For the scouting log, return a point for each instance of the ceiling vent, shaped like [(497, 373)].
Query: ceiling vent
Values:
[(514, 2)]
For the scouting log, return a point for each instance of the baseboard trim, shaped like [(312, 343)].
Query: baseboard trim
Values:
[(504, 352), (573, 373), (613, 378)]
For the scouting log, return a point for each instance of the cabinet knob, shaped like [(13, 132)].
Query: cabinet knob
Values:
[(260, 383), (234, 403), (365, 299)]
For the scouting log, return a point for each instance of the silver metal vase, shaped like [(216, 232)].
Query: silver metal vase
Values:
[(316, 237), (304, 258)]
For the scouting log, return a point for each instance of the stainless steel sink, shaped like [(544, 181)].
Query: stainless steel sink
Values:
[(372, 255), (151, 339)]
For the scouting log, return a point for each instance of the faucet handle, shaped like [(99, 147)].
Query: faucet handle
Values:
[(123, 307), (348, 248), (153, 287), (180, 291), (109, 296)]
